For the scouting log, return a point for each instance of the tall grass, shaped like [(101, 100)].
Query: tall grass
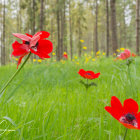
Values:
[(47, 102)]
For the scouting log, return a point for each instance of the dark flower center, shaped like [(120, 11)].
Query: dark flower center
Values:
[(26, 42), (129, 119), (33, 47), (36, 44), (88, 74)]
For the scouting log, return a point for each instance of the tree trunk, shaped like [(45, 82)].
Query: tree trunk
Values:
[(107, 29), (120, 35), (114, 26), (3, 39), (137, 27), (58, 33), (34, 17), (65, 28), (41, 15), (79, 42), (70, 30), (30, 18), (17, 6), (96, 28), (34, 9), (52, 30), (62, 33), (124, 27), (20, 22)]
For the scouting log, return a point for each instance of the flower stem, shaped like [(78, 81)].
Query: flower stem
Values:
[(14, 75), (130, 78), (87, 86), (125, 134)]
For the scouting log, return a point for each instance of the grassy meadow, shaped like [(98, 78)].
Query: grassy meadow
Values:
[(46, 101)]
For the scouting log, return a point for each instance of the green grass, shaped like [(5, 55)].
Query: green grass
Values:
[(47, 102)]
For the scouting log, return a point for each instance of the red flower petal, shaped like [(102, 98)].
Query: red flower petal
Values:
[(82, 72), (89, 75), (130, 106), (90, 72), (115, 103), (34, 40), (108, 109), (96, 75), (138, 119), (22, 37), (19, 49), (19, 61), (43, 49), (42, 34), (115, 113), (129, 126), (116, 109), (29, 35)]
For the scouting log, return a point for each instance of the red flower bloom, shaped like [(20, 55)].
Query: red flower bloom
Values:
[(88, 74), (124, 55), (36, 44), (134, 55), (127, 114), (65, 55)]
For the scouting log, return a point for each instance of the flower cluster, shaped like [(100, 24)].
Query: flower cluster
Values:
[(124, 55)]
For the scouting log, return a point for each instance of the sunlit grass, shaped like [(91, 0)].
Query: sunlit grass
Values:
[(47, 101)]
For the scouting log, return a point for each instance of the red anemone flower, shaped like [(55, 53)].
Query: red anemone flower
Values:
[(124, 55), (36, 44), (65, 56), (127, 114), (88, 74), (134, 55)]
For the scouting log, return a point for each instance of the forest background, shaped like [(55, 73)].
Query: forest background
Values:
[(104, 25)]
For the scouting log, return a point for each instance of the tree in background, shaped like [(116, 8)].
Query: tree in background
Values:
[(3, 62), (41, 15), (34, 16), (58, 49), (70, 31), (113, 26), (107, 29), (79, 24), (137, 26), (96, 28)]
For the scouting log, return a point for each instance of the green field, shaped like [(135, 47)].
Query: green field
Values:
[(47, 102)]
